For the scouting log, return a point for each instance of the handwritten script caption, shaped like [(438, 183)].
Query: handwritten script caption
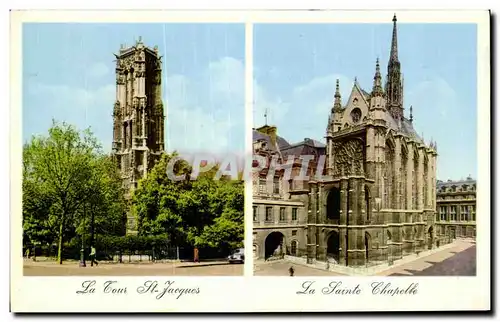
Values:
[(150, 287), (340, 288)]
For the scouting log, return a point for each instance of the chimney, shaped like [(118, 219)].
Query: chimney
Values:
[(271, 131)]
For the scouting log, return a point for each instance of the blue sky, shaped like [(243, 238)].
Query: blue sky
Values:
[(295, 67), (68, 74)]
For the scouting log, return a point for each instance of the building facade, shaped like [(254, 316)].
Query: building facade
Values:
[(279, 204), (456, 209), (138, 116), (371, 197)]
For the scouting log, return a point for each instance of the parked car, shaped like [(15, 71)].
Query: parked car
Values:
[(237, 256)]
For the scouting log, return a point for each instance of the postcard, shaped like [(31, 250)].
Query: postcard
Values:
[(250, 161)]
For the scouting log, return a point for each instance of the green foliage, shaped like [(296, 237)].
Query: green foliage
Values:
[(68, 183), (73, 196), (190, 212)]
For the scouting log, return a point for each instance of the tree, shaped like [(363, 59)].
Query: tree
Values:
[(156, 200), (227, 230), (186, 209), (103, 209), (63, 174)]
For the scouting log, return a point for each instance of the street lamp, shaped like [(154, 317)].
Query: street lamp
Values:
[(82, 250)]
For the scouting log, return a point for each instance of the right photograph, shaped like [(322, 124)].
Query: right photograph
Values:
[(364, 144)]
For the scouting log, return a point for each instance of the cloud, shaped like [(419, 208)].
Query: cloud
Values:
[(313, 99), (266, 104), (83, 107), (227, 77), (207, 112), (97, 70), (203, 111), (433, 94)]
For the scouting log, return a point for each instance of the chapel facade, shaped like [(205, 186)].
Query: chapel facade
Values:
[(374, 200)]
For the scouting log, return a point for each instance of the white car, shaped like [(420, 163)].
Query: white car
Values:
[(237, 256)]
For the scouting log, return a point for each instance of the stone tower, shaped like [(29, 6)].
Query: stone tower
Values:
[(138, 116)]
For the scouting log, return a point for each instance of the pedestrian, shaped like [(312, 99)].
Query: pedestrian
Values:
[(291, 270), (93, 256), (196, 255), (27, 252)]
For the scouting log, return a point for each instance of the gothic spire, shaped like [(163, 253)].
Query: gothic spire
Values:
[(411, 113), (394, 86), (394, 44), (337, 104), (377, 82)]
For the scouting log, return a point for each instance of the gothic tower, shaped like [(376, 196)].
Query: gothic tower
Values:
[(138, 116)]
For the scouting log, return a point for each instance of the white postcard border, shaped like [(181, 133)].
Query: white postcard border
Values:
[(248, 293)]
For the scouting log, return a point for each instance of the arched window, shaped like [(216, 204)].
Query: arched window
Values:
[(333, 204)]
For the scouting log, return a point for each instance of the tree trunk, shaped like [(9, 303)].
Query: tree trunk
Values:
[(59, 250)]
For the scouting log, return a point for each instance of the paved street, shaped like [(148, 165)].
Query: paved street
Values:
[(457, 260), (280, 268), (144, 269)]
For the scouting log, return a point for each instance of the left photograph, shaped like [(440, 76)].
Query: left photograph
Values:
[(133, 149)]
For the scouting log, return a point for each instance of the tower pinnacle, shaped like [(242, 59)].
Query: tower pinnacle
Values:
[(377, 82), (337, 104)]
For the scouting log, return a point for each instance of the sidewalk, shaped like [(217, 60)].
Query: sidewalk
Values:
[(404, 266), (48, 262), (425, 262)]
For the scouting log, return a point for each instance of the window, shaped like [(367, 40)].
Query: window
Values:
[(453, 213), (464, 230), (442, 212), (282, 214), (255, 215), (269, 213), (473, 212), (294, 213), (464, 213), (294, 233), (262, 186), (276, 186), (442, 230)]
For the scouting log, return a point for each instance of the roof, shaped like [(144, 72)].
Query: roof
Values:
[(450, 183), (306, 147), (365, 93), (282, 143), (407, 128)]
